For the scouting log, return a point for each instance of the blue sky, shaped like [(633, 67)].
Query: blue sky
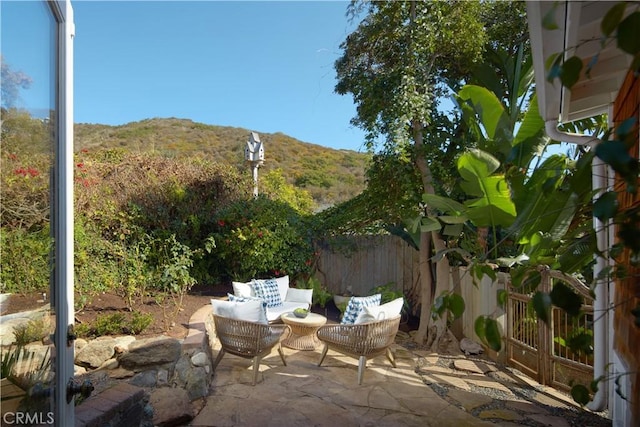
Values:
[(264, 66)]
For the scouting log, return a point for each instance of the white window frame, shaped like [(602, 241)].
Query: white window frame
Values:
[(63, 212)]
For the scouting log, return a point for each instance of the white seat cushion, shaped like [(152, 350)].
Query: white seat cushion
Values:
[(274, 313), (251, 310)]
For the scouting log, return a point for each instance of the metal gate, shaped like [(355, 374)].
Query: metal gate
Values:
[(541, 351)]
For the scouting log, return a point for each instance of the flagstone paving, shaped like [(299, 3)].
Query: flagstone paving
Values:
[(424, 390)]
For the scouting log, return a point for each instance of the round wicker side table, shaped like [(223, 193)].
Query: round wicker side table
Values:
[(303, 330)]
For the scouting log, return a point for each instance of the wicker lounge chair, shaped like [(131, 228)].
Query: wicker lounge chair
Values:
[(362, 341), (248, 340)]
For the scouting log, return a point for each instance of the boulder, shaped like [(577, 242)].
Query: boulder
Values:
[(469, 347), (96, 352), (150, 352), (171, 407)]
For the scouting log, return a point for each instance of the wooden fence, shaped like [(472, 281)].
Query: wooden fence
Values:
[(369, 261), (364, 262)]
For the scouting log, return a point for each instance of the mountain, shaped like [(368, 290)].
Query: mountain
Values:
[(331, 176)]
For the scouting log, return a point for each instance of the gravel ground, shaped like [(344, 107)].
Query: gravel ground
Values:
[(524, 392)]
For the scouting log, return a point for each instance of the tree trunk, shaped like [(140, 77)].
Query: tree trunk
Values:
[(438, 325), (430, 331), (426, 287)]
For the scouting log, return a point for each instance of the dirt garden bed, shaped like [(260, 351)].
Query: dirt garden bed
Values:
[(110, 303)]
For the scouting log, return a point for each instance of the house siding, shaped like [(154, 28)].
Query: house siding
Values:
[(627, 294)]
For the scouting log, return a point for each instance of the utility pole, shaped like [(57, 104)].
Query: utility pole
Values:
[(254, 154)]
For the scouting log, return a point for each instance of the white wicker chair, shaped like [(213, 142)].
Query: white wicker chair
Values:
[(248, 340), (362, 341)]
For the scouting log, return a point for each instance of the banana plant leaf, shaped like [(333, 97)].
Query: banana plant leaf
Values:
[(492, 206)]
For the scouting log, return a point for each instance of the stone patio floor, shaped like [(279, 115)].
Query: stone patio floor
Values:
[(425, 389)]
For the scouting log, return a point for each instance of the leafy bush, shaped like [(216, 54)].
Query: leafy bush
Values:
[(97, 266), (25, 260), (321, 295), (109, 324), (34, 330), (262, 238), (115, 324), (138, 323)]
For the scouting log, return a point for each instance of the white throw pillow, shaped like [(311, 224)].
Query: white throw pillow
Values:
[(241, 289), (283, 286), (380, 312), (300, 295), (251, 311)]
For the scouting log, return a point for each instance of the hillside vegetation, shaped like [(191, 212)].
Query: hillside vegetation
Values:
[(330, 176)]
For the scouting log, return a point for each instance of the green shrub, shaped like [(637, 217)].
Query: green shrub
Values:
[(139, 322), (109, 324), (25, 260), (115, 324), (262, 238), (34, 330), (97, 267)]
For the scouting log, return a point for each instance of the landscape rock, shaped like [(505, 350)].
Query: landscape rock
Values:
[(163, 378), (124, 341), (109, 364), (150, 352), (120, 373), (182, 367), (200, 359), (197, 385), (171, 407), (469, 347), (145, 379), (472, 366), (79, 344), (96, 352)]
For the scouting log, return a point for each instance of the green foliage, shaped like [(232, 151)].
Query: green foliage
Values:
[(25, 260), (32, 331), (138, 323), (450, 303), (262, 238), (109, 324), (273, 184), (388, 292), (115, 324), (34, 369), (96, 263), (24, 171), (488, 330), (492, 205), (321, 296), (392, 60), (173, 262)]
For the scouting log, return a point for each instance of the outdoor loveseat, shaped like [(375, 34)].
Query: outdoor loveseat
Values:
[(276, 294)]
